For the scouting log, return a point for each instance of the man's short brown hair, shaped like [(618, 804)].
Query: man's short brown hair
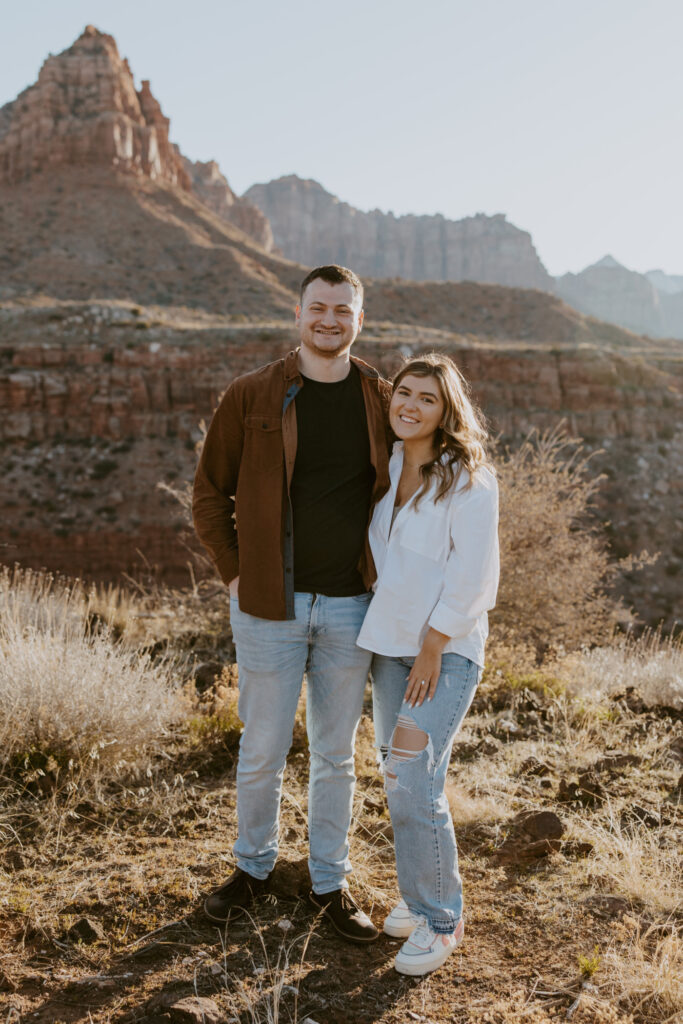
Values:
[(333, 274)]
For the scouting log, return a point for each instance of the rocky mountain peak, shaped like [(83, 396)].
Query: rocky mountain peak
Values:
[(84, 108), (609, 263)]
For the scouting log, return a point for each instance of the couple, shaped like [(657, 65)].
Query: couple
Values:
[(297, 460)]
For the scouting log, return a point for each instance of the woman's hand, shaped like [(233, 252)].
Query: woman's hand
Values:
[(424, 675)]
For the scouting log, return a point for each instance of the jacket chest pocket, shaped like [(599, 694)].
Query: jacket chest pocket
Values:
[(263, 442), (426, 533)]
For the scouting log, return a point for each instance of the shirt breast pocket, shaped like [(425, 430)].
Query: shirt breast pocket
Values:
[(426, 533), (263, 442)]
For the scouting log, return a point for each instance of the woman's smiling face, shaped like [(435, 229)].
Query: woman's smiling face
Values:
[(416, 408)]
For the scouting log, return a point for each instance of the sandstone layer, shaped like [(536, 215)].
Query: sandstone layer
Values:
[(99, 402), (312, 226), (77, 232)]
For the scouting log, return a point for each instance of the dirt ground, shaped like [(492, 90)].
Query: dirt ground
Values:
[(549, 918)]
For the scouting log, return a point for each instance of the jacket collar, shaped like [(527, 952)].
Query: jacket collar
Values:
[(291, 366)]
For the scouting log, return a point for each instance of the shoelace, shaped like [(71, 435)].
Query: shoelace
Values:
[(346, 901), (422, 934)]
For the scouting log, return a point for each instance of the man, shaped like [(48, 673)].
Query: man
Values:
[(302, 446)]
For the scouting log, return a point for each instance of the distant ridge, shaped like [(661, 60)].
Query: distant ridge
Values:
[(645, 303), (313, 226)]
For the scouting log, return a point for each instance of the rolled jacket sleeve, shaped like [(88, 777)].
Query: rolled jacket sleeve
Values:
[(473, 564), (215, 483)]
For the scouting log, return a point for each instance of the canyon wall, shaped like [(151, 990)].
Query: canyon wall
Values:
[(97, 407), (313, 227)]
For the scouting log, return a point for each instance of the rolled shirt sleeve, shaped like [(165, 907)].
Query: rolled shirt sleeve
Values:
[(473, 565)]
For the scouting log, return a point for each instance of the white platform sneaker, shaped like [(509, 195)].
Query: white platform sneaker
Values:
[(400, 922), (426, 950)]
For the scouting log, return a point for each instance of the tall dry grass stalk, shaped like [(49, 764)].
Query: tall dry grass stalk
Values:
[(69, 692)]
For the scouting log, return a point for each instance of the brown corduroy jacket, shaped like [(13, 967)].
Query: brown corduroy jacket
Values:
[(241, 506)]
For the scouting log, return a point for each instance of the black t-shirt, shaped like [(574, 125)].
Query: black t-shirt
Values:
[(331, 486)]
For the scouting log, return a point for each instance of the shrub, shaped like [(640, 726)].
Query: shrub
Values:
[(71, 696), (556, 575)]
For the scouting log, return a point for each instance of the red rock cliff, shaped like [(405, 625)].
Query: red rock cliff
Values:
[(84, 108)]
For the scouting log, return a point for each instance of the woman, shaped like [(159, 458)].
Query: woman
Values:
[(434, 539)]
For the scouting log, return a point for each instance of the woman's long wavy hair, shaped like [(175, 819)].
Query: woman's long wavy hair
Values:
[(462, 435)]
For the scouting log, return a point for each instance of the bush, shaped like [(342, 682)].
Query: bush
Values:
[(556, 575), (70, 695)]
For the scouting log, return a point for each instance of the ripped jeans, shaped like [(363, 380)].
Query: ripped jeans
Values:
[(415, 747)]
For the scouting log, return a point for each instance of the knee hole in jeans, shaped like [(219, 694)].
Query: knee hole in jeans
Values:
[(407, 743)]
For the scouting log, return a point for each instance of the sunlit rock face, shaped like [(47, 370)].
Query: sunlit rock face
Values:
[(85, 108), (312, 226)]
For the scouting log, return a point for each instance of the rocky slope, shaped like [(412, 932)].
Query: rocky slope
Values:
[(128, 300), (81, 231), (84, 109), (312, 226)]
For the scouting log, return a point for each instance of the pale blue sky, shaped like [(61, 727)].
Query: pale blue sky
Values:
[(563, 114)]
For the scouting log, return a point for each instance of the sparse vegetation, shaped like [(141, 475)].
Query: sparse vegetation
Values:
[(556, 572), (118, 738), (71, 695), (158, 830)]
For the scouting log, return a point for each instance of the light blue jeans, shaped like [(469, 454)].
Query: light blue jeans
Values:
[(272, 657), (414, 779)]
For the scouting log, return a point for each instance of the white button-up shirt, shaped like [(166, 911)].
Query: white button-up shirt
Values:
[(437, 566)]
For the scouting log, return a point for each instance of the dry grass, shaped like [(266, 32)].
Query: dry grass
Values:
[(71, 696), (632, 860), (644, 969), (651, 663), (138, 852)]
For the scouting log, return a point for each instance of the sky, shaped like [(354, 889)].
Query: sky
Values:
[(565, 115)]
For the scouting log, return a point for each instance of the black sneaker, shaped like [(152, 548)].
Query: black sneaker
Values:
[(234, 896), (344, 916)]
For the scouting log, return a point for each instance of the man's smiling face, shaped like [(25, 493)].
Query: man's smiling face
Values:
[(329, 318)]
